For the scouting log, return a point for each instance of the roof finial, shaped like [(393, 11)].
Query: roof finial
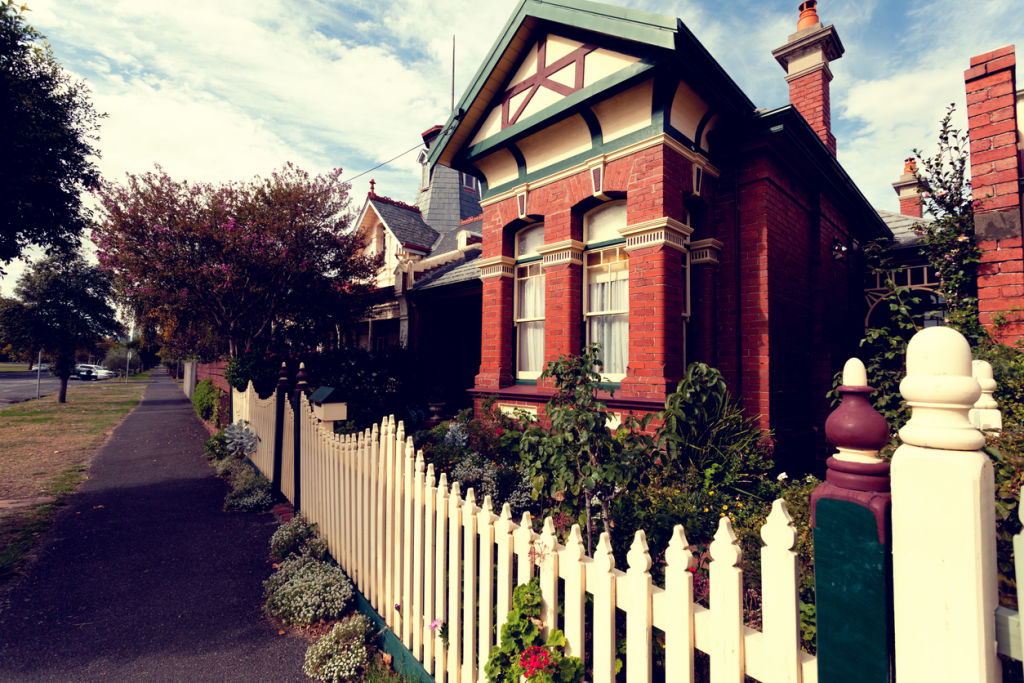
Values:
[(372, 194), (808, 15)]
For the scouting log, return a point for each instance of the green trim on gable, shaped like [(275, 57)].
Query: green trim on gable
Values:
[(564, 108), (642, 27), (597, 150)]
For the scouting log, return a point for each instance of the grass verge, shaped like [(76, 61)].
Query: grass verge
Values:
[(46, 455)]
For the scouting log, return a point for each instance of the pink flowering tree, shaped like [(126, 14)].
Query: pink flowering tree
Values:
[(242, 265)]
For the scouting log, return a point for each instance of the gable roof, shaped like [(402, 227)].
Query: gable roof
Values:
[(902, 227), (644, 29), (405, 222)]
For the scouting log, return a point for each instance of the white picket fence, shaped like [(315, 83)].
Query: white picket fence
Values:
[(420, 551)]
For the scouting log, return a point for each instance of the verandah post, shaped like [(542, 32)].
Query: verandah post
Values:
[(280, 398), (301, 387), (943, 521), (850, 515)]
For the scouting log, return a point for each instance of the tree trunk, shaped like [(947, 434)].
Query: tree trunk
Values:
[(62, 395)]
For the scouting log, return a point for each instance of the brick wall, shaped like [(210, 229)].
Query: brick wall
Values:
[(810, 95), (995, 180)]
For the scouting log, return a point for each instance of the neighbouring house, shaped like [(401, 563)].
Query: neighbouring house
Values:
[(428, 285), (633, 196), (996, 132)]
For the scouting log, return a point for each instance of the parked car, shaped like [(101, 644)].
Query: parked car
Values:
[(87, 371), (44, 367)]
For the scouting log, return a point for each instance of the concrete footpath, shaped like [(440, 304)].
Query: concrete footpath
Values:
[(143, 577)]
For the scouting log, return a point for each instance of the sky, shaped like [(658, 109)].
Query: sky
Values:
[(228, 89)]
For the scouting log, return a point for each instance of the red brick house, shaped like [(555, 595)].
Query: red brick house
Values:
[(634, 196)]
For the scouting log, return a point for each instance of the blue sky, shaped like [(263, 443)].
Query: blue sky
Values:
[(226, 89)]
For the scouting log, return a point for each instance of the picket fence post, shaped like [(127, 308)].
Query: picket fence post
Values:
[(985, 414), (280, 400), (853, 542), (943, 521)]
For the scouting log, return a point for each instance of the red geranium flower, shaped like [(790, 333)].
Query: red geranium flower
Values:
[(534, 659)]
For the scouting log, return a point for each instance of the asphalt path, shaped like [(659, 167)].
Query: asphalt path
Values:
[(21, 385), (143, 576)]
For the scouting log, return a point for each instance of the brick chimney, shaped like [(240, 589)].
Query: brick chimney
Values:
[(908, 191), (994, 129), (806, 57)]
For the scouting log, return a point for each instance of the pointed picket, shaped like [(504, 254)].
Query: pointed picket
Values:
[(485, 531), (503, 529), (454, 584), (572, 563), (639, 616), (416, 614), (546, 553), (601, 582), (679, 632), (726, 578), (780, 596)]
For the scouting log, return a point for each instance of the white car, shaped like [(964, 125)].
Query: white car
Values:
[(88, 371)]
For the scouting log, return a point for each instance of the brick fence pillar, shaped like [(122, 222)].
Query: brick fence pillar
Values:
[(995, 181)]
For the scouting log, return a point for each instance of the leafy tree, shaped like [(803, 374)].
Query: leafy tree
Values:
[(47, 133), (579, 461), (65, 306), (948, 243), (236, 266)]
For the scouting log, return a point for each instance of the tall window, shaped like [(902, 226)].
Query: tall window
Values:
[(606, 287), (529, 303)]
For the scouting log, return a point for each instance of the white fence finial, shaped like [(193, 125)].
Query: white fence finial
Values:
[(985, 414), (940, 390)]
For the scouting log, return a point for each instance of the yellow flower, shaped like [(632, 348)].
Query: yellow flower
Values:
[(711, 493), (740, 504), (725, 507), (705, 509), (721, 514)]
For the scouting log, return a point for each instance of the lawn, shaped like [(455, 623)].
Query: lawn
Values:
[(46, 453), (13, 367)]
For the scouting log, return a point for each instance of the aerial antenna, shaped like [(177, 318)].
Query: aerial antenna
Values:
[(453, 73)]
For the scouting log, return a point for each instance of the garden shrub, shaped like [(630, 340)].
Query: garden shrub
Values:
[(250, 491), (205, 401), (314, 592), (216, 448), (522, 652), (291, 538), (480, 453), (239, 439), (284, 573), (341, 653)]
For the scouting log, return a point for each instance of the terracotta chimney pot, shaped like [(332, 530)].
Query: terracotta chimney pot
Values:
[(909, 166), (808, 15)]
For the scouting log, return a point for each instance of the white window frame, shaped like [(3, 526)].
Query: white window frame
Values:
[(527, 261), (602, 247)]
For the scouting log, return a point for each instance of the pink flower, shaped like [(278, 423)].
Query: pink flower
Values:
[(435, 624), (499, 431)]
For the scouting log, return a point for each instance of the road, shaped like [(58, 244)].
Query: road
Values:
[(21, 386)]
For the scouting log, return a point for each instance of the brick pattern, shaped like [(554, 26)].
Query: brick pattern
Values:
[(653, 182), (911, 206), (810, 95), (995, 180)]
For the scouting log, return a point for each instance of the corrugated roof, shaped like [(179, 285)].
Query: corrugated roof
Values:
[(406, 223), (462, 270), (902, 227)]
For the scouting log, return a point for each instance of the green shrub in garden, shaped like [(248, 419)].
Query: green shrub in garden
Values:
[(250, 491), (313, 592), (291, 538), (522, 652), (284, 573), (216, 448), (341, 653), (205, 400)]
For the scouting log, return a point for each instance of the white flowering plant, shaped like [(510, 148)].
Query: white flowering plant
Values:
[(341, 653)]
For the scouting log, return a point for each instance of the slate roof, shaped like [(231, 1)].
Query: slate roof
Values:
[(406, 223), (902, 227), (462, 270), (449, 241)]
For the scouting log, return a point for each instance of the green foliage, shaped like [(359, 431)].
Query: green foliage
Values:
[(480, 453), (206, 401), (65, 306), (47, 149), (260, 368), (117, 359), (312, 591), (521, 635), (292, 538), (341, 653), (239, 439), (1006, 450), (250, 491), (216, 448), (578, 461)]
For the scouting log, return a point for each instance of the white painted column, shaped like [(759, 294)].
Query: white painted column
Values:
[(943, 521), (985, 413)]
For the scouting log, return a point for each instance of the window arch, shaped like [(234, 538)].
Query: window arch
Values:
[(529, 302), (606, 287)]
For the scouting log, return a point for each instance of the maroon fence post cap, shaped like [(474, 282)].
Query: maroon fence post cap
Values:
[(301, 386), (282, 377)]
